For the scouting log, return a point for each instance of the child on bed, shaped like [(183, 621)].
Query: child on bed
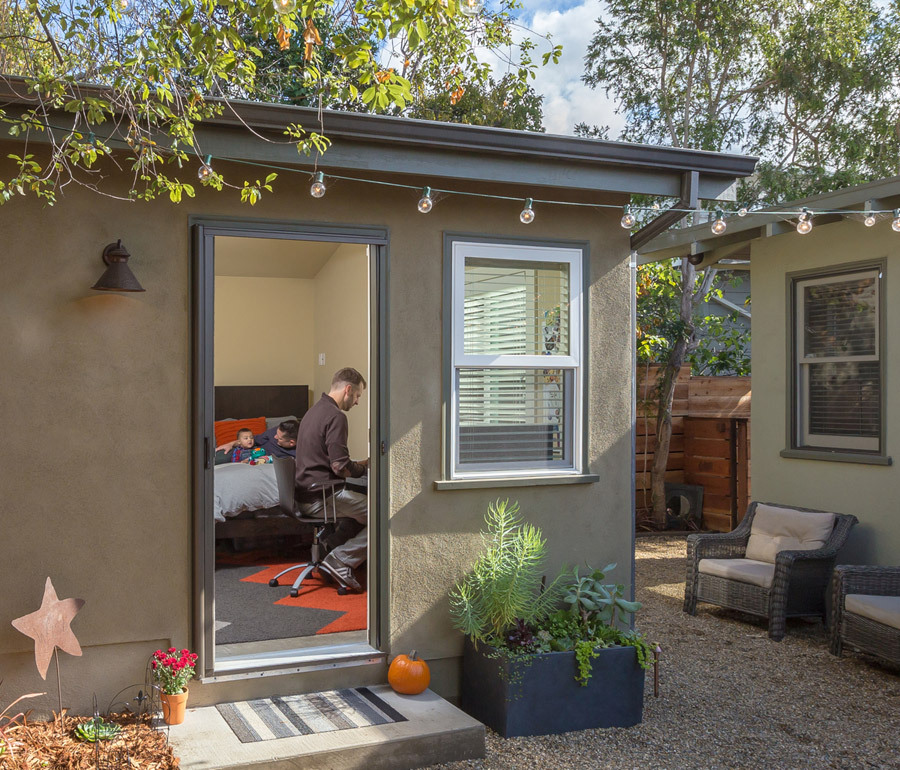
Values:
[(243, 451)]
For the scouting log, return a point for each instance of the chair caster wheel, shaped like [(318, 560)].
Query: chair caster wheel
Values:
[(342, 590), (294, 593), (273, 583)]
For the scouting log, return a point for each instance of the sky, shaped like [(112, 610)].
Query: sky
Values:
[(567, 100)]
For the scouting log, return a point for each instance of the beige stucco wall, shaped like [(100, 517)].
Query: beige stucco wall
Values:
[(96, 391), (341, 290), (251, 347), (868, 491)]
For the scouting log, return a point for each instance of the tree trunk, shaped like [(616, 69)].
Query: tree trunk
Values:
[(668, 377)]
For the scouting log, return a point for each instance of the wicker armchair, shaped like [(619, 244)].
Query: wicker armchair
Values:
[(862, 631), (792, 585)]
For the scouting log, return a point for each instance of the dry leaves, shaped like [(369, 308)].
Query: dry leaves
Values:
[(39, 745)]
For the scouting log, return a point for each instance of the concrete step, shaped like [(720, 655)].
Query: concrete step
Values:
[(436, 731)]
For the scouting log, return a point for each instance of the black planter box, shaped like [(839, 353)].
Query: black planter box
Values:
[(539, 695)]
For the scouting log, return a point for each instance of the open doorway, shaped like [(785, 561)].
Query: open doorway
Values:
[(284, 312)]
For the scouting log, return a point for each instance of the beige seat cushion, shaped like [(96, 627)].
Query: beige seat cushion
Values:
[(786, 529), (881, 609), (758, 573)]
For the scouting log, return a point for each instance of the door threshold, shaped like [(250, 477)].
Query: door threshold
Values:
[(295, 661)]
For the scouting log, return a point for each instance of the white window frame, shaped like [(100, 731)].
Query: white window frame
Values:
[(803, 438), (573, 257)]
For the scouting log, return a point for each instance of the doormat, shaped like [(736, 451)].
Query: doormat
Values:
[(285, 716)]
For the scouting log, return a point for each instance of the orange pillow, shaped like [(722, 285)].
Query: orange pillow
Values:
[(227, 430)]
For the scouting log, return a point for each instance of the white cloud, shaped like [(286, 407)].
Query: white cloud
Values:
[(567, 100)]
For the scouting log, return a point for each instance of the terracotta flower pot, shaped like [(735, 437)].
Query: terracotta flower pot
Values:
[(173, 707)]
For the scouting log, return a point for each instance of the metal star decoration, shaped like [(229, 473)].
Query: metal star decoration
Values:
[(49, 627)]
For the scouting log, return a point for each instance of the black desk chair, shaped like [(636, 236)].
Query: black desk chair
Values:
[(284, 477)]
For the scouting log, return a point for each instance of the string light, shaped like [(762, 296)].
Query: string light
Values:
[(804, 223), (425, 202), (284, 7), (627, 221), (869, 221), (895, 225), (527, 215), (471, 7), (317, 188), (718, 226), (742, 211), (206, 170)]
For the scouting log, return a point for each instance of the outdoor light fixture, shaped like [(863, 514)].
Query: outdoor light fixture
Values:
[(205, 171), (627, 221), (425, 202), (869, 221), (118, 276), (742, 212), (527, 215), (895, 225), (804, 224), (718, 226), (317, 188)]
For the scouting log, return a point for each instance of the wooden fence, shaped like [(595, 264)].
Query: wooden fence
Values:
[(710, 443)]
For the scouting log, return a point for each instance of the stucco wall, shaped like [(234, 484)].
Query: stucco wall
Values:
[(868, 491), (96, 392)]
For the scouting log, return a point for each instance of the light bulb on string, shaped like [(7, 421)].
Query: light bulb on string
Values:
[(471, 7), (627, 221), (284, 7), (425, 202), (870, 220), (742, 211), (317, 188), (206, 170), (527, 215), (804, 223), (718, 226), (895, 225)]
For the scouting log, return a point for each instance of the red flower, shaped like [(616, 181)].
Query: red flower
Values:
[(172, 649), (154, 664)]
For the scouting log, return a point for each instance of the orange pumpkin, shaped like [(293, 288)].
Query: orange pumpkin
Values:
[(408, 675)]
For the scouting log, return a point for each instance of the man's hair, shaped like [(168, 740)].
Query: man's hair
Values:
[(289, 429), (244, 430), (347, 376)]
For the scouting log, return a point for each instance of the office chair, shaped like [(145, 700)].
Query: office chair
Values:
[(284, 477)]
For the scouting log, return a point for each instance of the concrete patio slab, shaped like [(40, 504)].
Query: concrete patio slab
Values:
[(436, 731)]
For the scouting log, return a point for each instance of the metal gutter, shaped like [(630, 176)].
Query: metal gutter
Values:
[(455, 137)]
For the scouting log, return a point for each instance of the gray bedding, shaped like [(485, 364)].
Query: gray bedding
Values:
[(239, 487)]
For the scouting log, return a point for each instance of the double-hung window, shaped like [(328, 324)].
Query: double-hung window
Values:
[(516, 342), (838, 373)]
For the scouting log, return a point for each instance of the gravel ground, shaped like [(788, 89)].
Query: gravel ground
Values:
[(729, 696)]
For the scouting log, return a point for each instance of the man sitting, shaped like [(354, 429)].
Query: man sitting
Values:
[(323, 458)]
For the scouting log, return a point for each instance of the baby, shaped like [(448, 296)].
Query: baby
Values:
[(243, 450)]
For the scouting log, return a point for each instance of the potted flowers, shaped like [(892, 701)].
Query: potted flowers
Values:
[(542, 659), (172, 670)]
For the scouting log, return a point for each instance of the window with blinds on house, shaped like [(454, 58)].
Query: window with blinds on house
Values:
[(515, 375), (839, 371)]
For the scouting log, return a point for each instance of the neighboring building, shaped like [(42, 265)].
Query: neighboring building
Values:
[(825, 421), (109, 399)]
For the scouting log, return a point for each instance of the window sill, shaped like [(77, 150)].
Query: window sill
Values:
[(836, 456), (520, 481)]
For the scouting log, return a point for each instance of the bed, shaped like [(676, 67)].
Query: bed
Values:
[(245, 497)]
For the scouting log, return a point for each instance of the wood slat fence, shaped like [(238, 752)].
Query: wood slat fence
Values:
[(710, 443)]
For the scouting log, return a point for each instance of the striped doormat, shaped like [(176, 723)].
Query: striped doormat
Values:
[(286, 716)]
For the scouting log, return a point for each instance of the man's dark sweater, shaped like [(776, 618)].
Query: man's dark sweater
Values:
[(322, 453)]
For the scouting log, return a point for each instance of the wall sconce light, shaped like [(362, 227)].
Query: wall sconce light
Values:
[(118, 276)]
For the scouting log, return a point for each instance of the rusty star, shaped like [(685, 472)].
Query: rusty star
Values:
[(49, 627)]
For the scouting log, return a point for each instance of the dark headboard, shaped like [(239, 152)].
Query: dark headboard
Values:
[(241, 401)]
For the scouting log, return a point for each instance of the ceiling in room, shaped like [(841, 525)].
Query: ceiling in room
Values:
[(271, 257)]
